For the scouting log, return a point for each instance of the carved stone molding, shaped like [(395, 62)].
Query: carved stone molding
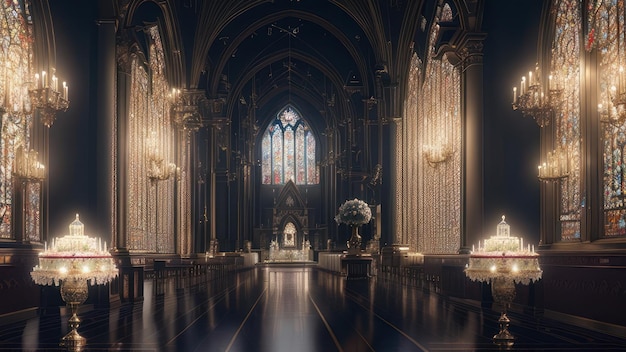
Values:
[(186, 111)]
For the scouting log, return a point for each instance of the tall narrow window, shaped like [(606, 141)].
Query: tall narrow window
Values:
[(288, 150), (566, 63), (16, 59), (610, 20)]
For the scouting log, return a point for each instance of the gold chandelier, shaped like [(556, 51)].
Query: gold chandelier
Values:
[(556, 165), (158, 169), (613, 109), (536, 101), (47, 97)]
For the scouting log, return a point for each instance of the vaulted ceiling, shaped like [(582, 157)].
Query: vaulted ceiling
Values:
[(325, 57)]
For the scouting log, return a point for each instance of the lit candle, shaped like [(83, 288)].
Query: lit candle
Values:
[(523, 86), (44, 82), (65, 90), (550, 82), (55, 83), (514, 94), (530, 78), (37, 80)]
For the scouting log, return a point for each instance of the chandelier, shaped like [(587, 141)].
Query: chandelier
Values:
[(158, 169), (47, 98), (27, 165), (437, 153), (536, 101), (613, 110), (555, 166)]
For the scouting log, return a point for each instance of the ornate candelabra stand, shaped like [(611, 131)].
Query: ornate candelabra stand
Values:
[(503, 261), (47, 98), (72, 261), (536, 101)]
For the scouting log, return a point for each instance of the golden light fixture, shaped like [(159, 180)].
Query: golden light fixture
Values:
[(613, 109), (556, 165), (48, 98), (534, 100)]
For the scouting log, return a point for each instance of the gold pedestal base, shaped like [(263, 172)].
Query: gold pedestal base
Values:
[(503, 292), (504, 337), (73, 341)]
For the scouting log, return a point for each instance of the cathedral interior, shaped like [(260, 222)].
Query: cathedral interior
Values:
[(313, 175)]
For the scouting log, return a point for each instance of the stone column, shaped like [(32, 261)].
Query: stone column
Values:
[(186, 117), (472, 200), (106, 129)]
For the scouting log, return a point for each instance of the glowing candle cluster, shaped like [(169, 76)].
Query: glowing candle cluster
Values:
[(75, 256)]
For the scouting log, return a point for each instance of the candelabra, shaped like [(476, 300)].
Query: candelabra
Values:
[(534, 100), (613, 110), (47, 98), (556, 166), (27, 166)]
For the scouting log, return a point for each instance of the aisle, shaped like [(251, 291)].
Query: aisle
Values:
[(296, 308)]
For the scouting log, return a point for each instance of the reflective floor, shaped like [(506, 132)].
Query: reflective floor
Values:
[(297, 309)]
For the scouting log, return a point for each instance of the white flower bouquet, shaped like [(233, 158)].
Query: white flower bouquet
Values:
[(354, 212)]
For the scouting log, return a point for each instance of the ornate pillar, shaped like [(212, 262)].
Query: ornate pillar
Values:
[(218, 165), (187, 118), (395, 169), (129, 284), (472, 201)]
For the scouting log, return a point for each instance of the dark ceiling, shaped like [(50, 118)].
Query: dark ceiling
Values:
[(324, 57)]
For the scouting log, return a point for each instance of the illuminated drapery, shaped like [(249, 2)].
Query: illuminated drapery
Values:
[(610, 21), (288, 150), (439, 184), (408, 204), (566, 63), (151, 204), (17, 58)]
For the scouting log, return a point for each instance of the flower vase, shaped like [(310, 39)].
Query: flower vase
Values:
[(354, 243)]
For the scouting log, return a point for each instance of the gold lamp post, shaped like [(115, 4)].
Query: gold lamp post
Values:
[(71, 262), (503, 261)]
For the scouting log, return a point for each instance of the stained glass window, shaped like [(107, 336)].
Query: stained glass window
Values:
[(288, 150), (609, 23), (16, 60), (566, 64)]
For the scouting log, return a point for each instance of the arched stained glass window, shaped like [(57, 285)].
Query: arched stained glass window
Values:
[(610, 19), (16, 61), (288, 150), (565, 63)]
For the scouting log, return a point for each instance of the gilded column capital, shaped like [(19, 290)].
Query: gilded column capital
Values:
[(471, 49), (186, 109)]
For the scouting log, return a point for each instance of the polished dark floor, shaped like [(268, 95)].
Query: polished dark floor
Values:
[(275, 309)]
